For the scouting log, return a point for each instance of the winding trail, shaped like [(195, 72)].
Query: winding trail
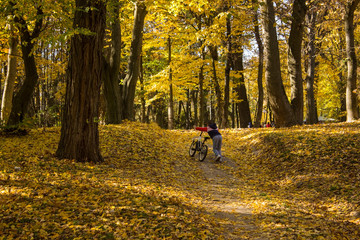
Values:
[(222, 197)]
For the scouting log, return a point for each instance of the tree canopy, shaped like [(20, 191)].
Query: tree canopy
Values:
[(203, 47)]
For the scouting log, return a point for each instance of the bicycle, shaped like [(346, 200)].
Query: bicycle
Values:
[(198, 144)]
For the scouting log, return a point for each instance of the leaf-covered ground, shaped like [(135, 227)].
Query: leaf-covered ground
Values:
[(291, 183)]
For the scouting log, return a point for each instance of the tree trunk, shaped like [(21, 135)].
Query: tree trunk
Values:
[(22, 98), (243, 104), (260, 101), (225, 122), (294, 59), (112, 91), (195, 107), (202, 106), (79, 131), (311, 114), (9, 85), (171, 95), (352, 112), (142, 94), (279, 103), (233, 110), (188, 110), (134, 61), (160, 113), (341, 84), (219, 102)]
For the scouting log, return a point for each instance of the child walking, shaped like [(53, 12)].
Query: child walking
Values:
[(216, 137)]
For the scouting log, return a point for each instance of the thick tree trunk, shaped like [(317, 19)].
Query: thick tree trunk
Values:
[(279, 103), (22, 98), (7, 97), (243, 104), (352, 112), (171, 95), (160, 113), (311, 114), (239, 85), (134, 61), (112, 91), (294, 59), (79, 131), (260, 101)]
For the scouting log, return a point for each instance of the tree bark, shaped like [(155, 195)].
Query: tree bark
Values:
[(219, 101), (22, 98), (279, 103), (112, 90), (202, 107), (294, 59), (7, 97), (144, 118), (341, 84), (171, 95), (352, 112), (134, 61), (260, 101), (194, 101), (188, 109), (311, 113), (225, 117), (244, 115), (79, 131), (243, 104)]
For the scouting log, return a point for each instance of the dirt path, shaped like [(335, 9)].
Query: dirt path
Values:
[(222, 197)]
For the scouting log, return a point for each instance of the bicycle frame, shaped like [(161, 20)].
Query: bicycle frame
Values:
[(198, 145)]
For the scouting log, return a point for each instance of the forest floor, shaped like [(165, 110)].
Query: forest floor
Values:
[(222, 197), (288, 183)]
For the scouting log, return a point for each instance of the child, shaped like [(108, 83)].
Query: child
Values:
[(216, 137)]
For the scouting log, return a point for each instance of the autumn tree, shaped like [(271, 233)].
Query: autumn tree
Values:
[(294, 58), (171, 92), (112, 60), (260, 99), (7, 97), (240, 88), (228, 66), (28, 38), (133, 69), (352, 112), (279, 104), (79, 131), (311, 108)]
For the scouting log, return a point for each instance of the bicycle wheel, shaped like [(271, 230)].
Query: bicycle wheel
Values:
[(192, 149), (203, 152)]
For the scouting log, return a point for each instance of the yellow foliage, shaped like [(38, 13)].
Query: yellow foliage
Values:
[(302, 183), (136, 193)]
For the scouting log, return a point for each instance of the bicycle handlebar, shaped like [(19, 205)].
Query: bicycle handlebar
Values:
[(206, 138)]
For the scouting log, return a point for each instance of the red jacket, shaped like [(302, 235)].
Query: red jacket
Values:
[(212, 130)]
